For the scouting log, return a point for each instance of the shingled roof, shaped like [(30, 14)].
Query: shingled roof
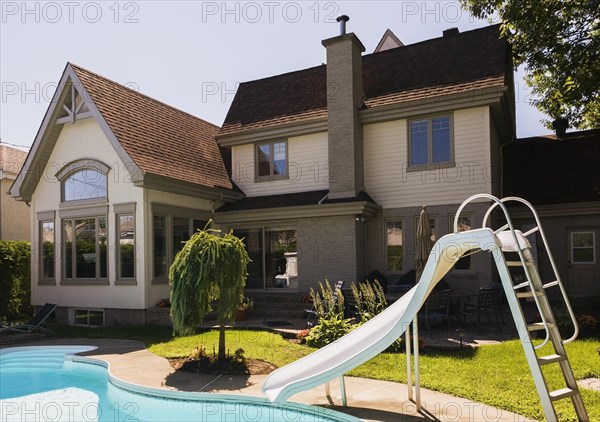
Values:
[(557, 170), (458, 62), (160, 139)]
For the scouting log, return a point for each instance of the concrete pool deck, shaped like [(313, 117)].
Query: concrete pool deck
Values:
[(371, 400)]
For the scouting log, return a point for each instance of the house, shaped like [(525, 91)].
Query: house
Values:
[(322, 171), (116, 181), (14, 220), (564, 186), (336, 160)]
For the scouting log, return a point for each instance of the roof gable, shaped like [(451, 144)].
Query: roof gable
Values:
[(388, 40), (467, 61), (149, 136)]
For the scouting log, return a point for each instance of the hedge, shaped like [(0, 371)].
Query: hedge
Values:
[(15, 276)]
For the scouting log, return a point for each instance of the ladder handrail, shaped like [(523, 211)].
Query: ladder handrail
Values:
[(548, 252), (498, 202)]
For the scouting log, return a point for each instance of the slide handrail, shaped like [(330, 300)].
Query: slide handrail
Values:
[(539, 228), (510, 226)]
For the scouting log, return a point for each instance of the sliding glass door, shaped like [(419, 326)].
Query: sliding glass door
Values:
[(273, 253)]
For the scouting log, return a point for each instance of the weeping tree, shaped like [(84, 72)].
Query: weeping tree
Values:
[(211, 266)]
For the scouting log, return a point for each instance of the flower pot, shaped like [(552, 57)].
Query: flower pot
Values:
[(241, 314)]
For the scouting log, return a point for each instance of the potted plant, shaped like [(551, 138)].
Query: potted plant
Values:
[(243, 307)]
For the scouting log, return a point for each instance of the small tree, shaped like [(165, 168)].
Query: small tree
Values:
[(211, 266)]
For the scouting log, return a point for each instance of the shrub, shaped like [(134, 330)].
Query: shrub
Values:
[(370, 299), (15, 279), (330, 315), (326, 305), (329, 330), (588, 325)]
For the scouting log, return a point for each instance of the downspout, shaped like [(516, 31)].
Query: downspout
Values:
[(323, 199), (212, 205)]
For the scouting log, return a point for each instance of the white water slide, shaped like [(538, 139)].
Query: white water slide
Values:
[(376, 335)]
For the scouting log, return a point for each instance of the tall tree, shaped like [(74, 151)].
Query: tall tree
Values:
[(559, 42), (211, 266)]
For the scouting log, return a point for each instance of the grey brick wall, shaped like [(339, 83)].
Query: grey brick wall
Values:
[(329, 248), (461, 281)]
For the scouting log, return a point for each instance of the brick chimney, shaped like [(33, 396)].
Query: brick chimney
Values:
[(344, 98)]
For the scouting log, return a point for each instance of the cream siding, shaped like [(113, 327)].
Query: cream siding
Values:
[(86, 140), (386, 157), (307, 162)]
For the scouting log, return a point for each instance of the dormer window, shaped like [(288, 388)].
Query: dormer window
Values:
[(84, 181), (271, 161)]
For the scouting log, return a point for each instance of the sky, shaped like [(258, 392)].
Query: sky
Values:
[(192, 54)]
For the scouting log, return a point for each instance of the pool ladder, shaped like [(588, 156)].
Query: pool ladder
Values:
[(514, 241)]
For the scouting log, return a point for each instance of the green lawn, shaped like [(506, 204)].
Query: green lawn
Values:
[(496, 375)]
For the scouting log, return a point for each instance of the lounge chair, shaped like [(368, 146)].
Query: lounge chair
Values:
[(36, 323)]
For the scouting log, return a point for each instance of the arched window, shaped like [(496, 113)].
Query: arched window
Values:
[(83, 180)]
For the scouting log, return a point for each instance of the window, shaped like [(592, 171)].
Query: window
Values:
[(430, 141), (85, 242), (47, 249), (271, 161), (583, 247), (169, 236), (84, 184), (393, 240), (181, 233), (126, 246), (88, 317), (464, 224), (160, 246), (271, 250)]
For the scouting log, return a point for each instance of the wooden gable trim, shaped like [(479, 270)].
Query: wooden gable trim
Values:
[(50, 129)]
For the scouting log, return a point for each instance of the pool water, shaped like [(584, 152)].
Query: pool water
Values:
[(46, 384)]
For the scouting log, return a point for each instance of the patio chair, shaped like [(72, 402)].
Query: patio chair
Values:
[(488, 303), (350, 308), (312, 318), (437, 306), (36, 323)]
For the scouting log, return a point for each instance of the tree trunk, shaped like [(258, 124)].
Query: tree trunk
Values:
[(221, 355)]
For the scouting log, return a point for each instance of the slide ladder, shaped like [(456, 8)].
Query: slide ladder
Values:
[(518, 255)]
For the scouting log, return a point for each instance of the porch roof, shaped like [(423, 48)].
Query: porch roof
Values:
[(291, 199)]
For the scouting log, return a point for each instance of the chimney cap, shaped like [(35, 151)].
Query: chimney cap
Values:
[(342, 20), (450, 32), (560, 126)]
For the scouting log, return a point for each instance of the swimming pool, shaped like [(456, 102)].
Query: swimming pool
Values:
[(49, 383)]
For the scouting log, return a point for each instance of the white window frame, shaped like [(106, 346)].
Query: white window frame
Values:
[(430, 164), (572, 247)]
